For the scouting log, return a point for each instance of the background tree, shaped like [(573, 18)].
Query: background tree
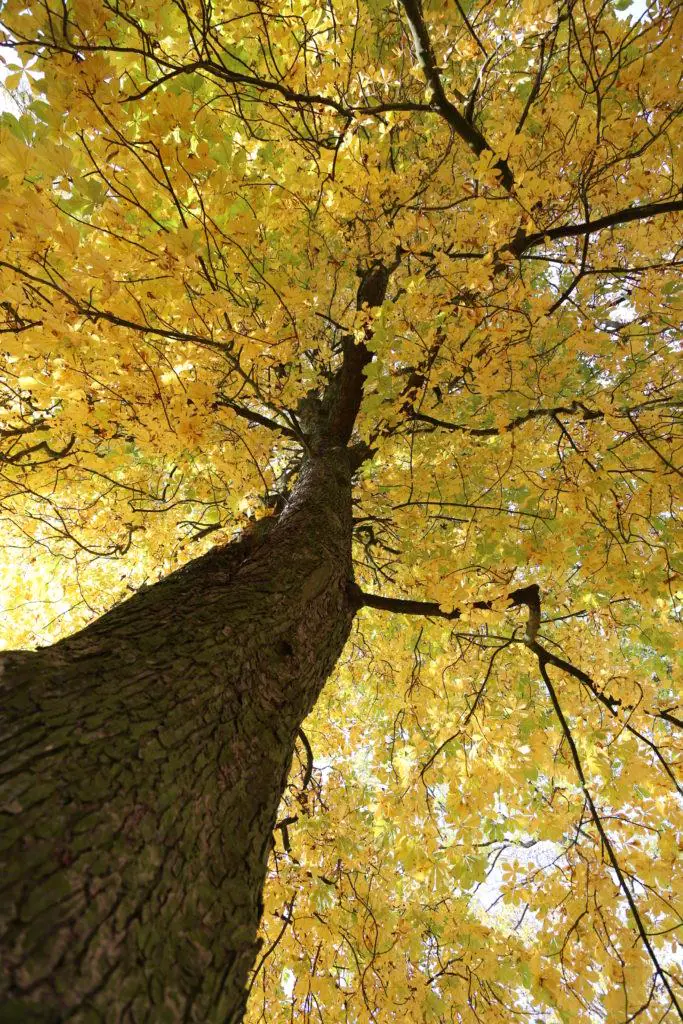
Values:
[(357, 312)]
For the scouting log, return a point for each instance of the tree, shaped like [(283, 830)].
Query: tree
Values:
[(340, 343)]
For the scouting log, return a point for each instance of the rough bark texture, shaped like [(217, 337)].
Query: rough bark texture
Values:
[(143, 759), (142, 764)]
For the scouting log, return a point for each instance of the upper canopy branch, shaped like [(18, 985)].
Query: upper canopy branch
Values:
[(214, 67), (217, 70), (568, 410), (524, 242), (575, 408), (90, 312), (640, 924), (458, 122)]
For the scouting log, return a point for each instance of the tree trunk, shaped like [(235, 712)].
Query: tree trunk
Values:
[(143, 760)]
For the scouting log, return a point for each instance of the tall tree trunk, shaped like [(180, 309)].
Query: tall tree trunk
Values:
[(142, 764)]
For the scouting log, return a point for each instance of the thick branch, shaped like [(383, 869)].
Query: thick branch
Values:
[(529, 596), (256, 417), (308, 774), (524, 242), (402, 606), (41, 446), (344, 395), (668, 717), (346, 391), (460, 125)]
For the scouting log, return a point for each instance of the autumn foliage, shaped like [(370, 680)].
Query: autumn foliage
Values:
[(193, 197)]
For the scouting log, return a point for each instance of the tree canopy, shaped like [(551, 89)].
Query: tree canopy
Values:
[(203, 203)]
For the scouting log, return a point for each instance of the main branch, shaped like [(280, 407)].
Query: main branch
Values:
[(458, 122)]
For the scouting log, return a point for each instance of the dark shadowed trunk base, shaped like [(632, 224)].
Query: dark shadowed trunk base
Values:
[(142, 762)]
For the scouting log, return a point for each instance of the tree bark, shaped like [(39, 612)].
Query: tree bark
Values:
[(143, 760)]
